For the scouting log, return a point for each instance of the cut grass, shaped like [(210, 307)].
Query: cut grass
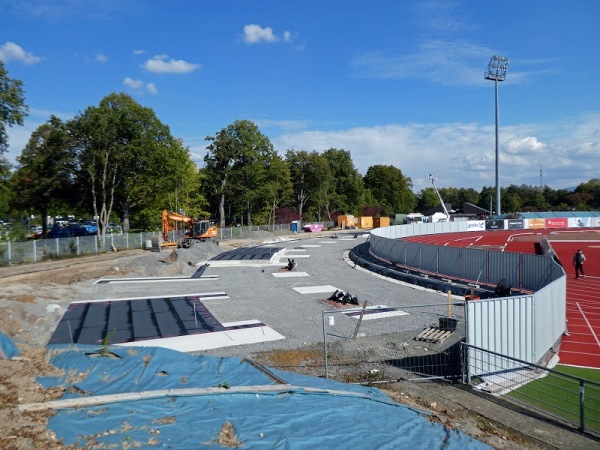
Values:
[(559, 395)]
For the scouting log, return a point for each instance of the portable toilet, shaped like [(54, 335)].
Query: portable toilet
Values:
[(346, 221), (365, 222), (379, 222), (294, 226)]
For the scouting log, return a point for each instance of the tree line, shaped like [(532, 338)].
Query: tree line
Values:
[(118, 162)]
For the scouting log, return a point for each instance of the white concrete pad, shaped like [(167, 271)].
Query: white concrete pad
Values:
[(326, 289), (355, 313), (208, 341), (203, 297), (154, 279), (290, 274), (296, 256)]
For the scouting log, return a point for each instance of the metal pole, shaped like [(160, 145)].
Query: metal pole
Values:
[(498, 208), (325, 345)]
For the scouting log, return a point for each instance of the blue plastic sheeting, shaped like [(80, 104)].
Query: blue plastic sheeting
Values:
[(295, 418), (8, 349)]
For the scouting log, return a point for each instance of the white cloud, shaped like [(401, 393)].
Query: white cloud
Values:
[(101, 58), (14, 52), (139, 52), (463, 154), (139, 85), (161, 64), (134, 84), (151, 87), (254, 34), (527, 144)]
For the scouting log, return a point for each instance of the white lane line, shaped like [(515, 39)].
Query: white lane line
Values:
[(588, 324)]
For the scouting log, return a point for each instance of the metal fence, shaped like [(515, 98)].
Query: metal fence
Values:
[(46, 249), (556, 394), (13, 252), (540, 278), (405, 342)]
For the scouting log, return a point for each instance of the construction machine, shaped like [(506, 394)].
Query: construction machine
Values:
[(190, 230), (446, 215)]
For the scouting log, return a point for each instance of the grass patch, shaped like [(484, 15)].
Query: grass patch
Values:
[(559, 395)]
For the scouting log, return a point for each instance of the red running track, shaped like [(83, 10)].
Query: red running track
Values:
[(581, 347)]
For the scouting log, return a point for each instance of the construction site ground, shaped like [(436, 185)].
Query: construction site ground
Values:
[(33, 298)]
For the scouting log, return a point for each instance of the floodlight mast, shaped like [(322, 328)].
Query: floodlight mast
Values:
[(496, 70)]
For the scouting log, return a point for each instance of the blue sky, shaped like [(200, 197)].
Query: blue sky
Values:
[(394, 82)]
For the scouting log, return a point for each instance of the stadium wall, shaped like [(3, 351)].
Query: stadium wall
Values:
[(523, 327)]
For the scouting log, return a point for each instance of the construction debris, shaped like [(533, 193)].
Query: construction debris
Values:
[(343, 298)]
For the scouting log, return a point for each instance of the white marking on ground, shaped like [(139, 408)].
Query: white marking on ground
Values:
[(315, 289), (203, 296), (208, 341), (154, 279), (310, 246), (371, 316), (290, 274), (589, 325)]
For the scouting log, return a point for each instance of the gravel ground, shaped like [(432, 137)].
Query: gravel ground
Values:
[(33, 299)]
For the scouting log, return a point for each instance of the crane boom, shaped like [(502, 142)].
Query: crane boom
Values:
[(432, 177)]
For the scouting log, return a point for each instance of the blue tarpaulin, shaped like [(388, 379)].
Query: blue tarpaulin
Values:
[(8, 349), (305, 412)]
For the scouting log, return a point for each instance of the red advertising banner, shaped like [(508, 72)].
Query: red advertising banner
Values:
[(557, 222)]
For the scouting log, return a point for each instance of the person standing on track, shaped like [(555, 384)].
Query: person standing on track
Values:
[(578, 260)]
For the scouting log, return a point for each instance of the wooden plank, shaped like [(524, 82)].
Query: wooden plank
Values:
[(433, 335)]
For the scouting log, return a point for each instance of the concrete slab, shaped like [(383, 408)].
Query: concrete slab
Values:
[(326, 289), (290, 274), (155, 279), (247, 256), (246, 332)]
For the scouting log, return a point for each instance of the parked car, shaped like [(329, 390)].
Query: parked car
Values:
[(58, 231)]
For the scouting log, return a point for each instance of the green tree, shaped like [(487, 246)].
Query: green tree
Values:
[(391, 189), (44, 175), (127, 159), (487, 198), (590, 191), (311, 180), (468, 195), (428, 199), (234, 166), (6, 187), (12, 105), (348, 188), (276, 187)]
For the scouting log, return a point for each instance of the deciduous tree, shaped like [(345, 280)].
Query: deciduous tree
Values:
[(12, 105), (44, 175)]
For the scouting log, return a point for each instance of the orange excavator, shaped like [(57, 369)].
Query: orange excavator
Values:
[(193, 230)]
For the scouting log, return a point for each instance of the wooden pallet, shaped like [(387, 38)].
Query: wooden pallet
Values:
[(433, 335)]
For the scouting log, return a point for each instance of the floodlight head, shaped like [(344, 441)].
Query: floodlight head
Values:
[(496, 69)]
